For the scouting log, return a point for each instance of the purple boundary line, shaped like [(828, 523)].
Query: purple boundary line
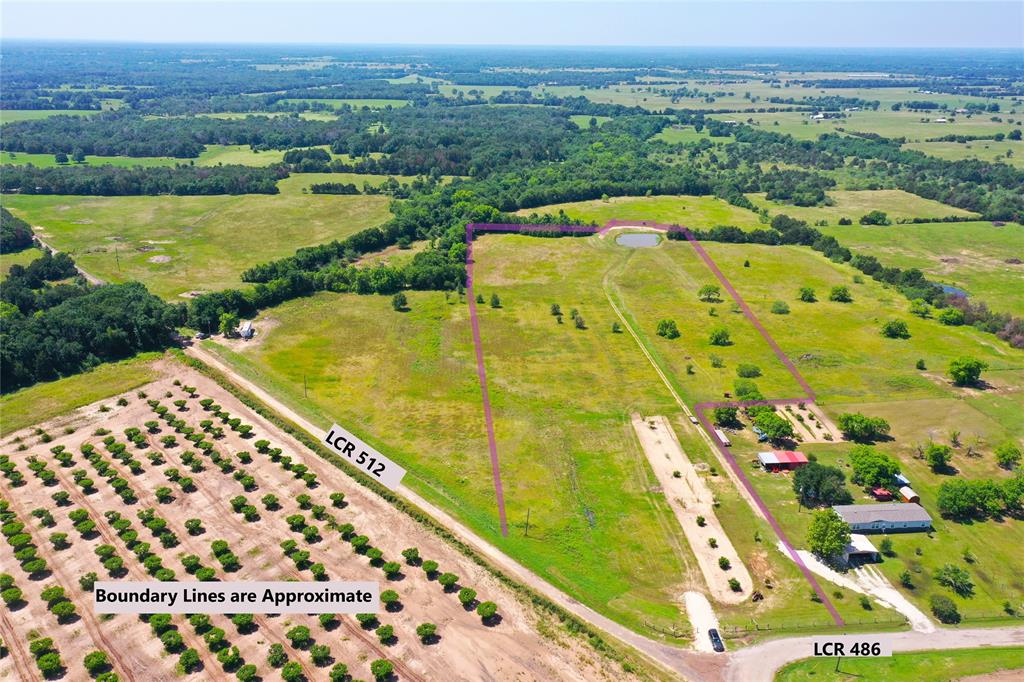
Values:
[(482, 375), (738, 470), (699, 408), (749, 314)]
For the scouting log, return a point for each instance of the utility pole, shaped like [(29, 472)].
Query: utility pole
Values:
[(526, 533), (117, 259), (304, 394)]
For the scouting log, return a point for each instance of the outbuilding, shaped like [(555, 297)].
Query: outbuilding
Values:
[(908, 495), (722, 437), (247, 331), (779, 460), (881, 494), (860, 551), (901, 479), (885, 517)]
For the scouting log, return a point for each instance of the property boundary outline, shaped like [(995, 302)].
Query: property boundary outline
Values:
[(472, 229)]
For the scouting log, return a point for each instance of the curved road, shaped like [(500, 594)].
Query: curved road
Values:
[(755, 663)]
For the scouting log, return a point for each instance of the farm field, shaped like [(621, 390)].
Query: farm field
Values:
[(196, 241), (895, 203), (212, 155), (584, 121), (692, 211), (234, 509), (973, 256), (925, 666), (677, 134), (1008, 152), (588, 474)]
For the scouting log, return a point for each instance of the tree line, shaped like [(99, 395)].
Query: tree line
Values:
[(108, 180)]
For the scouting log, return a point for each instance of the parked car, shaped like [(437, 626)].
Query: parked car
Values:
[(694, 420), (716, 640)]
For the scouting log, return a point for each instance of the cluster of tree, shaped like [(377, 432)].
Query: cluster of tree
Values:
[(106, 323), (819, 485), (861, 428), (115, 181), (50, 99), (25, 287), (798, 187), (980, 499), (333, 188), (15, 233), (873, 469)]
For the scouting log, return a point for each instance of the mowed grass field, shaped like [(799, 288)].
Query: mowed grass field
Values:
[(179, 244), (297, 183), (12, 115), (896, 203), (1005, 151), (693, 211), (922, 666), (45, 401), (23, 257), (972, 256)]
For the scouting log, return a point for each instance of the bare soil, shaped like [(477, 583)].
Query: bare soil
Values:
[(520, 644), (689, 497)]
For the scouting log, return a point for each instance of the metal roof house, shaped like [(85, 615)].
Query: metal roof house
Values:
[(885, 517), (778, 460)]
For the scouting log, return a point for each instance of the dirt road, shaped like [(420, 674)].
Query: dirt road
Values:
[(759, 663), (691, 500)]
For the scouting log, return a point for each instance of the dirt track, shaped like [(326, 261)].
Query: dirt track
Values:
[(690, 498)]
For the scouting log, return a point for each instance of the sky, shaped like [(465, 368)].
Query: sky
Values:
[(676, 23)]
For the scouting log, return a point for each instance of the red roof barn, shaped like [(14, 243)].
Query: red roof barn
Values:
[(778, 460)]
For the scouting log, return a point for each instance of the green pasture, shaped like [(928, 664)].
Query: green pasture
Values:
[(212, 155), (297, 183), (686, 134), (837, 346), (44, 401), (921, 666), (915, 126), (12, 115), (1005, 151), (209, 240), (973, 256), (582, 121), (308, 115), (693, 211), (896, 204), (370, 103), (23, 257)]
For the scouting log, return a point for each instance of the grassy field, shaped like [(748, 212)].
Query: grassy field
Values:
[(296, 183), (598, 528), (885, 123), (354, 103), (44, 401), (308, 115), (984, 150), (854, 204), (971, 256), (687, 134), (924, 666), (838, 349), (694, 211), (12, 115), (207, 241), (212, 155), (23, 257), (582, 121)]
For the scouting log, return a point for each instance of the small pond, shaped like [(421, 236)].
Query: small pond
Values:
[(638, 240), (956, 291)]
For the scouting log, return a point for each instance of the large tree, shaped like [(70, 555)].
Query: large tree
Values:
[(773, 426), (872, 468), (965, 371), (828, 534), (862, 428), (817, 485)]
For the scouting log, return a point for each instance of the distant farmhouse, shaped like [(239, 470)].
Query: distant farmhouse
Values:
[(885, 517)]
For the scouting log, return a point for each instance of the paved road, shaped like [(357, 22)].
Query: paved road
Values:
[(759, 663), (756, 663)]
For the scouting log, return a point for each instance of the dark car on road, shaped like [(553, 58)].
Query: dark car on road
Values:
[(716, 640)]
